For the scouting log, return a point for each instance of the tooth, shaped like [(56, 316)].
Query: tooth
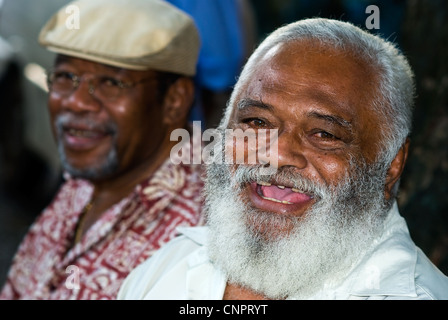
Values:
[(295, 190), (268, 198), (272, 199), (275, 200), (281, 187), (81, 133), (264, 183), (75, 132)]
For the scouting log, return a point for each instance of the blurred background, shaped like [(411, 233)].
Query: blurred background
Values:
[(29, 165)]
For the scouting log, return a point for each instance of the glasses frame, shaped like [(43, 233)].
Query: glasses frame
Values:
[(93, 83)]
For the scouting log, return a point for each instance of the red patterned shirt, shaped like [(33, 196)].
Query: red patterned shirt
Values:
[(125, 235)]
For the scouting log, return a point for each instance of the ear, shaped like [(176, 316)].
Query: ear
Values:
[(178, 101), (396, 169)]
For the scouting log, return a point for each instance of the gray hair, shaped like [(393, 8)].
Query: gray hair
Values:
[(395, 95)]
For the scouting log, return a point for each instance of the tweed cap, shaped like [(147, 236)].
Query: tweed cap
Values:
[(136, 35)]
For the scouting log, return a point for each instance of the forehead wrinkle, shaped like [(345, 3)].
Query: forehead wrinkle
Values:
[(322, 92)]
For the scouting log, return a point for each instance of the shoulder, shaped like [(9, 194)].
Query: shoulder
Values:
[(397, 269), (169, 262), (430, 282)]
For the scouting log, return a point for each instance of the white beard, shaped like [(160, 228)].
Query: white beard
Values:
[(323, 246)]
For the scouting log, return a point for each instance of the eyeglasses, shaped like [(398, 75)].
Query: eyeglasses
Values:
[(105, 88)]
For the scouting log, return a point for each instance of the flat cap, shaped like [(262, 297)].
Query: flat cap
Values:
[(136, 35)]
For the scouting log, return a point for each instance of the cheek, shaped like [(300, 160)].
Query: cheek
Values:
[(330, 169), (53, 108), (369, 138), (370, 149), (122, 111), (125, 115), (239, 151), (53, 103), (137, 125)]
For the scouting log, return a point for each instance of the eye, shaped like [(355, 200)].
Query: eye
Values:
[(255, 123), (61, 81), (325, 135), (111, 82), (62, 76)]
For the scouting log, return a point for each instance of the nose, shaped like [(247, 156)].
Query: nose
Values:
[(291, 151), (82, 99), (283, 149)]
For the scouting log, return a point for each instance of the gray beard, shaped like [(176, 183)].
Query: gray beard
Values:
[(323, 246), (101, 170)]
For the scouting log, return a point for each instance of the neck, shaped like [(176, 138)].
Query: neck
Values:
[(237, 292), (123, 183), (116, 188)]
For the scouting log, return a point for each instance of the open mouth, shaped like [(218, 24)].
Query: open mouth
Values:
[(277, 197), (83, 138), (280, 193), (89, 134)]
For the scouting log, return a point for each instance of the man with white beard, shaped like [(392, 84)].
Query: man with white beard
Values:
[(325, 224)]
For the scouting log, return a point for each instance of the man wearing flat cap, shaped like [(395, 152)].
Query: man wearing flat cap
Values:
[(121, 83)]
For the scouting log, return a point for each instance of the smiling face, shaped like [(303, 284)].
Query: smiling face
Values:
[(318, 99), (289, 233), (98, 138)]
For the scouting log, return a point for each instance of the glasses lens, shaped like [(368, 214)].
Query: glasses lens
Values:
[(102, 87), (108, 88), (61, 81)]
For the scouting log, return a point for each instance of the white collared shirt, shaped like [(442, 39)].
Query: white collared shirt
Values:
[(395, 269)]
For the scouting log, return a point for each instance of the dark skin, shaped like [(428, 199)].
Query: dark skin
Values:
[(318, 99), (142, 121)]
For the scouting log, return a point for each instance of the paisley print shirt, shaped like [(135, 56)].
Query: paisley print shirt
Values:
[(45, 267)]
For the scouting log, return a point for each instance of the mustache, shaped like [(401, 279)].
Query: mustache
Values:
[(72, 120), (283, 176)]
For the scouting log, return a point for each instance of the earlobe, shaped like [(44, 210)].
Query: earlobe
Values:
[(396, 169), (178, 101)]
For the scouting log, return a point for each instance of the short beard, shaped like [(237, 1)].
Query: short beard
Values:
[(102, 169), (323, 246)]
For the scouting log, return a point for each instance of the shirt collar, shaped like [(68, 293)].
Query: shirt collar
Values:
[(197, 234), (390, 267), (203, 280)]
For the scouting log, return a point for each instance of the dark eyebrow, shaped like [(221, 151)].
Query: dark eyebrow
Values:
[(332, 118), (247, 102)]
